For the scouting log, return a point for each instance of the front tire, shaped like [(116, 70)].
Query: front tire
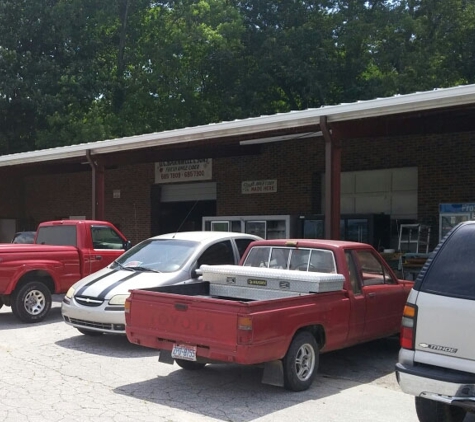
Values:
[(434, 411), (301, 362), (189, 365), (31, 302)]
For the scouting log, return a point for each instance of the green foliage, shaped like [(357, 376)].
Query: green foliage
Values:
[(74, 71)]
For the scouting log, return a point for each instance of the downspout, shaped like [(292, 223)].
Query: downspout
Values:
[(93, 188), (332, 180), (97, 187)]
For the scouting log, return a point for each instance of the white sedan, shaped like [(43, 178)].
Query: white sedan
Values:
[(95, 304)]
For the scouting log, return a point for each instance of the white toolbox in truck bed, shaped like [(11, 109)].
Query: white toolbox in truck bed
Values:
[(266, 283)]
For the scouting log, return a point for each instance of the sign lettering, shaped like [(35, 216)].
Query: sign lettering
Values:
[(183, 170)]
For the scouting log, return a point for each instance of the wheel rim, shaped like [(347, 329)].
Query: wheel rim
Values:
[(305, 362), (34, 302)]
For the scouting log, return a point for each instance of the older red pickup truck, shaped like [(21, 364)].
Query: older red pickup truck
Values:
[(64, 252), (287, 302)]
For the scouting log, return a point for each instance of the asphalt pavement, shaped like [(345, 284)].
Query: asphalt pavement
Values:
[(50, 372)]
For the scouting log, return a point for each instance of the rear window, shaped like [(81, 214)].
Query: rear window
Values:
[(451, 271), (57, 235), (302, 259)]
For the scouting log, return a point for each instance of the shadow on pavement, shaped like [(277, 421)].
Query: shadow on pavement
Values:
[(362, 363), (8, 321), (239, 391), (106, 345)]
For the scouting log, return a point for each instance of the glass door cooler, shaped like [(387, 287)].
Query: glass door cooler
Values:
[(265, 226), (374, 229), (452, 214)]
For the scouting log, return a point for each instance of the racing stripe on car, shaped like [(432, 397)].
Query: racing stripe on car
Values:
[(103, 294), (81, 290)]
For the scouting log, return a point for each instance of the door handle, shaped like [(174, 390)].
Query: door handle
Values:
[(98, 257), (372, 294)]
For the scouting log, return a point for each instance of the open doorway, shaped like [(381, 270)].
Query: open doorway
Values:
[(182, 209)]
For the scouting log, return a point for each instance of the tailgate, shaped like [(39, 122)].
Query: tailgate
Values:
[(444, 327), (200, 321)]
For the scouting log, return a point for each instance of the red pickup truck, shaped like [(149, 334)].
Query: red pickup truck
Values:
[(63, 252), (287, 302)]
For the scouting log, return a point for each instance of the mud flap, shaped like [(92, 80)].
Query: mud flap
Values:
[(273, 373), (165, 356)]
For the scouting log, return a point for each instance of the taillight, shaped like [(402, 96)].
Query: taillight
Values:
[(244, 329), (408, 326), (127, 306)]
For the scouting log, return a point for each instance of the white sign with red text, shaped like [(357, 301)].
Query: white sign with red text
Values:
[(259, 186), (183, 170)]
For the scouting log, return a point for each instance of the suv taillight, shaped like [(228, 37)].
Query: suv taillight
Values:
[(408, 327)]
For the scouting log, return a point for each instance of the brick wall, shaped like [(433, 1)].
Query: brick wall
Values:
[(53, 197), (292, 164), (445, 164), (11, 197)]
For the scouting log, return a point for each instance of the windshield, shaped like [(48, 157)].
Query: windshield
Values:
[(163, 255)]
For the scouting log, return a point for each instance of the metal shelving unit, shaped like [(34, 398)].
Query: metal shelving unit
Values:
[(414, 238)]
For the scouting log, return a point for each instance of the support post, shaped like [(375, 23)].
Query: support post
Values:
[(332, 180)]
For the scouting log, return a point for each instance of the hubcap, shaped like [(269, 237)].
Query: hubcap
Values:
[(305, 362), (34, 302)]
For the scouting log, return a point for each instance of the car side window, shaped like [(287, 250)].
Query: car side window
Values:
[(106, 238), (242, 245), (218, 254), (372, 270)]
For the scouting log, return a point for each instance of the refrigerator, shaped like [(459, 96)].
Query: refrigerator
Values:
[(374, 229), (265, 226), (452, 214)]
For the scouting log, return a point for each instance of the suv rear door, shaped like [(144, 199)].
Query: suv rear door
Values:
[(446, 303)]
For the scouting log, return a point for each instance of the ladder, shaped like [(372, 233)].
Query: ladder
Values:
[(414, 238)]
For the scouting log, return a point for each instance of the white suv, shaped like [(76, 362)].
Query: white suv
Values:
[(437, 356)]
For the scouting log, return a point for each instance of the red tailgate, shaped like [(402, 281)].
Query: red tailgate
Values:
[(161, 320)]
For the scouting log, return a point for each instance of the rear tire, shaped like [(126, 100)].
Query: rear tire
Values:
[(190, 365), (89, 333), (301, 362), (434, 411), (31, 302)]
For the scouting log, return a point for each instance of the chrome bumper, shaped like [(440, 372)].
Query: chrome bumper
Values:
[(450, 387)]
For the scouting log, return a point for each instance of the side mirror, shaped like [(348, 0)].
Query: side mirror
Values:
[(196, 272), (127, 245)]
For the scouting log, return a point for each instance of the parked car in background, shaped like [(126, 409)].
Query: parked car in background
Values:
[(24, 237), (437, 356), (64, 251), (95, 304)]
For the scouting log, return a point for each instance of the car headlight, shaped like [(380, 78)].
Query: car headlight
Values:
[(70, 293), (118, 299)]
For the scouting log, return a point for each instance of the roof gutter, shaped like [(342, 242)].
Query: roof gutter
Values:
[(436, 99)]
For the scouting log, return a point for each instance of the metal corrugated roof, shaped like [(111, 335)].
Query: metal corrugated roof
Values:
[(419, 101)]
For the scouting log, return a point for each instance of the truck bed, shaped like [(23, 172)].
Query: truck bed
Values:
[(187, 314)]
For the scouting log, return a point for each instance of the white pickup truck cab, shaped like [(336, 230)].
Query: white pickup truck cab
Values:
[(437, 356)]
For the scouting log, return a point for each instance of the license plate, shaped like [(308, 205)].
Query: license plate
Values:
[(183, 351)]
